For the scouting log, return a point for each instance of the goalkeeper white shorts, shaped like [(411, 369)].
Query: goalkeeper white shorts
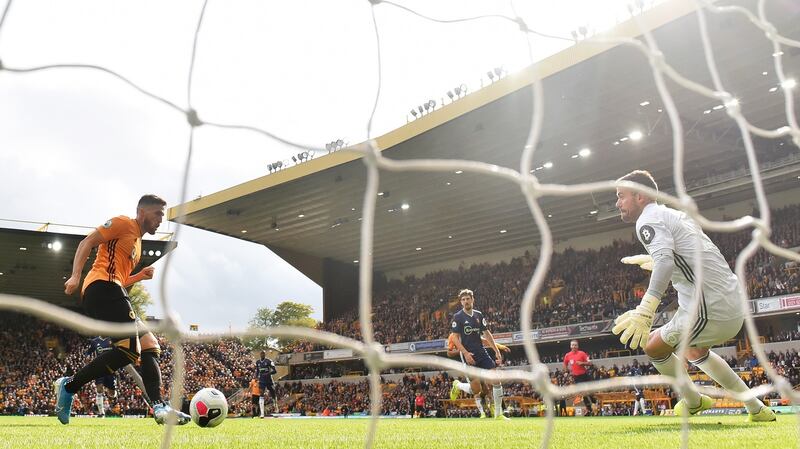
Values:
[(703, 333)]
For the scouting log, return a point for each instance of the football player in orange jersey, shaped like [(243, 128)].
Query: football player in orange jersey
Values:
[(104, 297)]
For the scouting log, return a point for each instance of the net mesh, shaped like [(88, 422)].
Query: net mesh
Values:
[(537, 375)]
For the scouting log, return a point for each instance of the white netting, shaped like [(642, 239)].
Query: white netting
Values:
[(372, 352)]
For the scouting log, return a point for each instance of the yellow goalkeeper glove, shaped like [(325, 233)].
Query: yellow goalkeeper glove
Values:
[(635, 324), (643, 260)]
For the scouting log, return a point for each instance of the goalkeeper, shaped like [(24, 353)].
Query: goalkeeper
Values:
[(671, 238)]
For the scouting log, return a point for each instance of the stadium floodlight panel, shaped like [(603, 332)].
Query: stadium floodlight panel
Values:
[(548, 165), (585, 152), (405, 206), (790, 83), (56, 246), (635, 135)]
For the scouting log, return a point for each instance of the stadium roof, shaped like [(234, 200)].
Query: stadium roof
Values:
[(36, 263), (595, 95)]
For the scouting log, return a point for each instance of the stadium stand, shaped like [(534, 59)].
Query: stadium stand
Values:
[(33, 353), (584, 286)]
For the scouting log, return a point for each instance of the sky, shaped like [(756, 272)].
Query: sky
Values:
[(80, 146)]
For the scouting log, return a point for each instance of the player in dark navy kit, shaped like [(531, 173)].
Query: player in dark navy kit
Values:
[(468, 325), (638, 403), (265, 368), (105, 385)]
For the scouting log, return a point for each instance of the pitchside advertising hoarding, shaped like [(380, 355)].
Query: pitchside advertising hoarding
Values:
[(562, 332), (775, 304)]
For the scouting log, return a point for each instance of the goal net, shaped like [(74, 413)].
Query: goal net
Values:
[(633, 27)]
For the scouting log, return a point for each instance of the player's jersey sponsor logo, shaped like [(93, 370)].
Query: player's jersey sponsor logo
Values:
[(647, 233), (468, 330)]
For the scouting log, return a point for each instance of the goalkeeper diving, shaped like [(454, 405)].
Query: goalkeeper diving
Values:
[(671, 238)]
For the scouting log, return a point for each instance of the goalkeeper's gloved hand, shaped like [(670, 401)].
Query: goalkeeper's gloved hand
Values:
[(635, 324), (643, 260)]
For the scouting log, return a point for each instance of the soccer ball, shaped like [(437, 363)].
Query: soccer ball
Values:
[(208, 407)]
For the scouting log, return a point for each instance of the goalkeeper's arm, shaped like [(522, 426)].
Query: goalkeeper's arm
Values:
[(635, 324)]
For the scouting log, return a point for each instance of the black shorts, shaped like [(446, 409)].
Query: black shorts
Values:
[(265, 383), (107, 301), (254, 399), (482, 360), (582, 378)]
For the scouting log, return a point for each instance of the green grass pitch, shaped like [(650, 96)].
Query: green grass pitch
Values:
[(610, 432)]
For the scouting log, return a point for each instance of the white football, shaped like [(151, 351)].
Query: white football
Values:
[(208, 407)]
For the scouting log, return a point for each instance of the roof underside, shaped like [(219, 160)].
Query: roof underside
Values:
[(590, 103), (38, 271)]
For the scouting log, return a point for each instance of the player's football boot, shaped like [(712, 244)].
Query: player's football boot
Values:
[(63, 399), (483, 415), (706, 402), (161, 412), (764, 415), (454, 390), (502, 417)]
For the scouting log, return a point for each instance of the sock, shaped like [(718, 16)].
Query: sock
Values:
[(497, 395), (151, 375), (642, 402), (261, 405), (721, 372), (479, 404), (465, 387), (99, 401), (671, 366), (105, 363), (139, 382)]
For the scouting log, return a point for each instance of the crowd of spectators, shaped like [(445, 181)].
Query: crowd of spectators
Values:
[(34, 353), (582, 286), (337, 398)]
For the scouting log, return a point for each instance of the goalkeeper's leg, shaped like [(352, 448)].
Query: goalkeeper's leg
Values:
[(662, 357), (721, 372)]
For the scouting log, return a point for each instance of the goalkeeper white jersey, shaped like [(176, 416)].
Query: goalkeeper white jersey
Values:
[(661, 228)]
